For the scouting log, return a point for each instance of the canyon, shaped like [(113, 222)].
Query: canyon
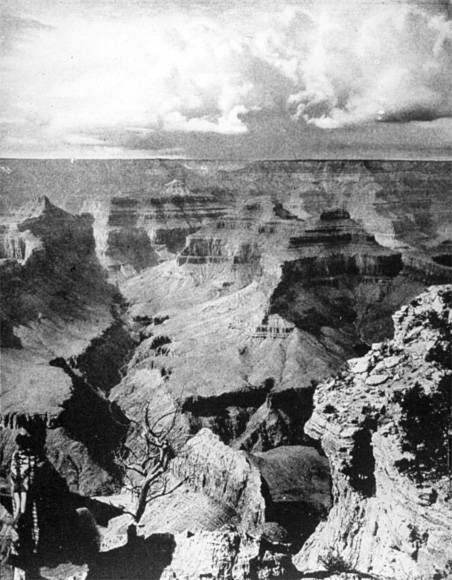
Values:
[(223, 301)]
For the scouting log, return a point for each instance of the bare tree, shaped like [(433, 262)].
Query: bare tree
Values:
[(145, 465)]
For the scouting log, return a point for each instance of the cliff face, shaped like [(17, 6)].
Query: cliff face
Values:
[(133, 233), (122, 245), (383, 424), (60, 320)]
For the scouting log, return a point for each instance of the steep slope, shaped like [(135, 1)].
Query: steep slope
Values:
[(383, 424), (60, 320)]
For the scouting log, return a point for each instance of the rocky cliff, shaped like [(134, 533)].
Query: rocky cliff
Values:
[(404, 205), (63, 341), (133, 233), (122, 244), (383, 424)]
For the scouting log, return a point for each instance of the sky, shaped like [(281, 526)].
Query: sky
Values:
[(230, 79)]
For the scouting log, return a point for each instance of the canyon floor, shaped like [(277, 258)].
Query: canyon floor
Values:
[(270, 340)]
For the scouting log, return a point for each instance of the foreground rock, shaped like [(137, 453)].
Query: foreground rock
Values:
[(383, 423), (225, 518)]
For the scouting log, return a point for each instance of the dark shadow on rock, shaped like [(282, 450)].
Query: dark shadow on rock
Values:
[(89, 417), (101, 511), (140, 559)]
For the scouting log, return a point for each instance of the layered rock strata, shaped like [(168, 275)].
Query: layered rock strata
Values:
[(247, 285), (275, 304), (405, 205), (383, 424), (133, 233)]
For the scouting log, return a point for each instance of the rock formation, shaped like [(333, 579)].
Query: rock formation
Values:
[(405, 205), (383, 424), (60, 326), (276, 304), (221, 515), (122, 245), (237, 290), (133, 233)]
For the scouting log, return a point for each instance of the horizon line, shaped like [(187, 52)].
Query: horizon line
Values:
[(232, 160)]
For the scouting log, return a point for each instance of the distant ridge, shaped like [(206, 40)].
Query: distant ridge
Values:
[(72, 160)]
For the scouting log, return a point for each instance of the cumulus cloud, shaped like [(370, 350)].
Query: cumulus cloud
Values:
[(328, 65), (389, 64)]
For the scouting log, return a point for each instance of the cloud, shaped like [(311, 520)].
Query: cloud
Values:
[(391, 64), (163, 76), (16, 31), (327, 65)]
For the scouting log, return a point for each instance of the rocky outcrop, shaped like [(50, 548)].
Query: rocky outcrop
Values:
[(225, 555), (350, 248), (337, 271), (383, 424), (226, 474), (219, 516)]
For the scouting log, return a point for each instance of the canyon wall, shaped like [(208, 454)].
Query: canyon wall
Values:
[(223, 294), (133, 233), (60, 320), (253, 312), (402, 203)]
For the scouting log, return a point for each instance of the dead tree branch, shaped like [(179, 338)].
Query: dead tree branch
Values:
[(149, 461)]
